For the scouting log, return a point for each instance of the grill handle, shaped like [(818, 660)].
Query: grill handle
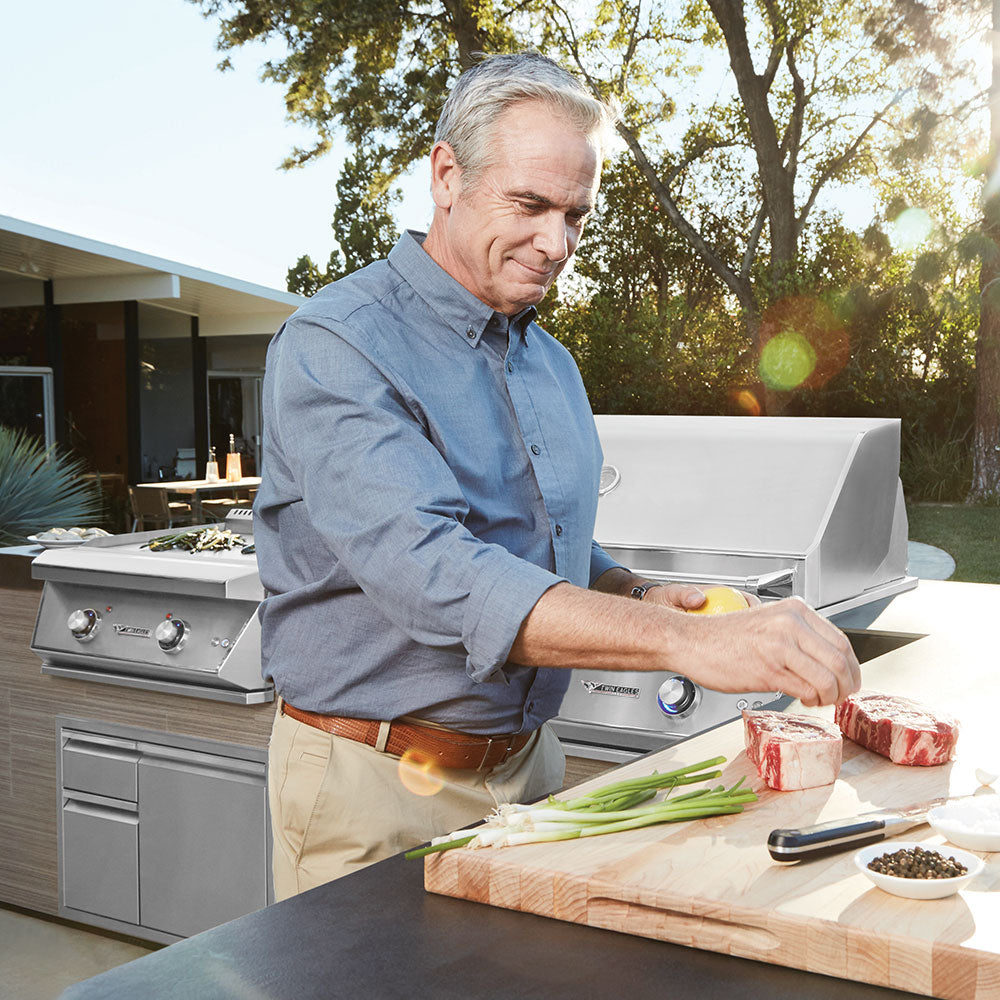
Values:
[(774, 585)]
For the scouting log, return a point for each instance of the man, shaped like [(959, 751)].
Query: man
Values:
[(424, 526)]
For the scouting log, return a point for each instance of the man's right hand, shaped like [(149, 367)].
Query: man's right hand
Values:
[(781, 646)]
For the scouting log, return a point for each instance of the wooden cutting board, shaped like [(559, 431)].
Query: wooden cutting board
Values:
[(711, 884)]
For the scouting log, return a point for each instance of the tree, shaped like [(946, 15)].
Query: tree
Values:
[(817, 95), (986, 438), (802, 96)]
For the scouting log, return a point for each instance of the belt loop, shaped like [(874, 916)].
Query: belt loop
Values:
[(383, 736)]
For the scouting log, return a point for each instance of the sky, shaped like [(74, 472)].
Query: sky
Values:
[(116, 125)]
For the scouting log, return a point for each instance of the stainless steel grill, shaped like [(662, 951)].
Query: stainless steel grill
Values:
[(113, 611), (810, 507)]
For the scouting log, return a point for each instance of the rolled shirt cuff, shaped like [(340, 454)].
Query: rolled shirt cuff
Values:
[(497, 606)]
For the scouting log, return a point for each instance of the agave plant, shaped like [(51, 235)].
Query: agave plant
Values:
[(40, 488)]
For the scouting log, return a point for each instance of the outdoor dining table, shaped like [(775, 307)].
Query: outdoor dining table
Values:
[(194, 490)]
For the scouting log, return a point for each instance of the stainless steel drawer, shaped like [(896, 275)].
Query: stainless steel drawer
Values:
[(100, 765), (100, 859)]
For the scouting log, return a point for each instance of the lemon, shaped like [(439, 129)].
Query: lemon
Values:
[(719, 601)]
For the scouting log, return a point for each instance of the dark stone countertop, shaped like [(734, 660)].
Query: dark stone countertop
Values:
[(378, 934)]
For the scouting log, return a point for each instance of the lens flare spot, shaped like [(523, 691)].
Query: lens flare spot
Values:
[(911, 228), (746, 402), (419, 774), (786, 360)]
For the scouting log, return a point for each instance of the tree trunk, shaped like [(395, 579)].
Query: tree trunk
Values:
[(986, 432), (466, 27), (775, 178)]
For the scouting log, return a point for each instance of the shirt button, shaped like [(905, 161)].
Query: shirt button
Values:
[(470, 333), (535, 450), (510, 367), (558, 529)]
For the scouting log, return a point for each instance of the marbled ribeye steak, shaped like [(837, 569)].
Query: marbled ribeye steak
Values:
[(898, 728), (793, 751)]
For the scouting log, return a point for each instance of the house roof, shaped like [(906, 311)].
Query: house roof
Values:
[(85, 270)]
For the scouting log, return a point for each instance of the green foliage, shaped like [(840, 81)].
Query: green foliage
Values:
[(40, 489), (935, 470)]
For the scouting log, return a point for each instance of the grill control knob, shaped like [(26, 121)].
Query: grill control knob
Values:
[(676, 695), (83, 623), (170, 634)]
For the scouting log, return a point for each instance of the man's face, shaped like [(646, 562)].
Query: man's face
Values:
[(507, 235)]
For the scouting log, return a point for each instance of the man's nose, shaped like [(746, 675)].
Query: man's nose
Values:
[(552, 237)]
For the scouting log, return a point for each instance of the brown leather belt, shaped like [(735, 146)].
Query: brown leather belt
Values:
[(445, 747)]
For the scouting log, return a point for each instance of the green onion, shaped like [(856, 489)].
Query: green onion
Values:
[(608, 809)]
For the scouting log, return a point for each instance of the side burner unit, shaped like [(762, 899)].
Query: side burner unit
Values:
[(113, 611)]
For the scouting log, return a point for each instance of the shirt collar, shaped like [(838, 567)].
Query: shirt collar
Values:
[(460, 310)]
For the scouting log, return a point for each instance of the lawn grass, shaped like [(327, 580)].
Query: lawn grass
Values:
[(970, 535)]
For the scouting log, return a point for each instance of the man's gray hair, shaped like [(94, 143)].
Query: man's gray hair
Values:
[(484, 92)]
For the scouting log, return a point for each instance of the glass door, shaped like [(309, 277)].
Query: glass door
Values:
[(234, 407)]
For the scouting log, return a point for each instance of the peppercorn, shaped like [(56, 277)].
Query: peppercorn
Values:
[(916, 862)]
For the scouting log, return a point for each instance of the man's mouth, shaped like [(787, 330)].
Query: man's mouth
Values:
[(543, 273)]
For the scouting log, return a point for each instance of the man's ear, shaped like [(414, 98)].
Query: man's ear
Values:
[(445, 175)]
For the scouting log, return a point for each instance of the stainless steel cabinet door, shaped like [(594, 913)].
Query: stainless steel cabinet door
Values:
[(202, 839), (100, 861)]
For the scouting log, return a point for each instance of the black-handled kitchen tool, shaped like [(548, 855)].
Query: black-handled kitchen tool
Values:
[(807, 842)]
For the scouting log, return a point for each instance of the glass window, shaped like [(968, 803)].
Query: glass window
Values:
[(26, 400)]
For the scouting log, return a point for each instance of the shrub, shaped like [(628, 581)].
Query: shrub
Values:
[(40, 488)]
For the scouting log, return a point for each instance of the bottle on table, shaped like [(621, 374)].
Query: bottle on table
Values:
[(211, 467), (234, 471)]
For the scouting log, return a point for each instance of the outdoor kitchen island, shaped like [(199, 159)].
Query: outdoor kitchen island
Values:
[(377, 933)]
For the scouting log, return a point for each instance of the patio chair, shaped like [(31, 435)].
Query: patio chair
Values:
[(151, 509)]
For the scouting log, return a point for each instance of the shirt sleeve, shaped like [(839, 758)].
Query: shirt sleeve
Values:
[(600, 562), (382, 498)]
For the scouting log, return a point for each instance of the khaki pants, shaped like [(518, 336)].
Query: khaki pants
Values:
[(338, 805)]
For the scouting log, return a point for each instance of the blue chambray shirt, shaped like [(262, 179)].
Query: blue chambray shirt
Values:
[(428, 474)]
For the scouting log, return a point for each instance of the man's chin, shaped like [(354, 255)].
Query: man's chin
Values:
[(526, 295)]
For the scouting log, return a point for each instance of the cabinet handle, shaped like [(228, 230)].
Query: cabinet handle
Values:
[(109, 752), (191, 760), (130, 816), (92, 739)]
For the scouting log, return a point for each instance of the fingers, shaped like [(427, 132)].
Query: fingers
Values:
[(819, 666)]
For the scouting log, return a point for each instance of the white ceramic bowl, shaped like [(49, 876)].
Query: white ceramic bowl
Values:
[(973, 824), (917, 888)]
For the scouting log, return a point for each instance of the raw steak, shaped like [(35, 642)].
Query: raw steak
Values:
[(898, 728), (793, 751)]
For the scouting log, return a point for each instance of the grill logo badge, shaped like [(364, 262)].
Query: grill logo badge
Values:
[(593, 687), (140, 631)]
